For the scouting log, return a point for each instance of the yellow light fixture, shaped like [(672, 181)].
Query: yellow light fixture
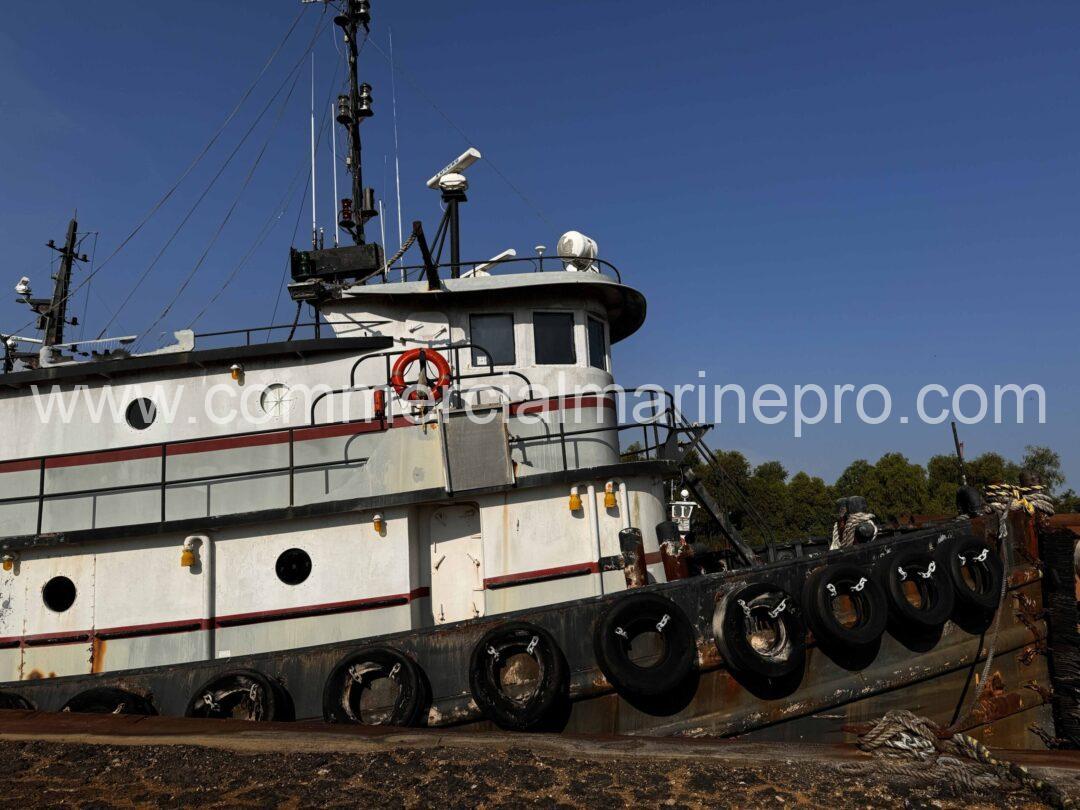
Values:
[(236, 371), (379, 524), (575, 499), (8, 561), (609, 495), (188, 555)]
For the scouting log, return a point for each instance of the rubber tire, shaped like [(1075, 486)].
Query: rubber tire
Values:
[(729, 632), (817, 605), (274, 700), (105, 699), (11, 700), (986, 598), (504, 711), (939, 587), (412, 695), (634, 612)]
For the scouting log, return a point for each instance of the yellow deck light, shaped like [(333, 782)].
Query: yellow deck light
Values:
[(379, 524), (575, 499), (609, 495), (188, 555), (8, 561), (236, 371)]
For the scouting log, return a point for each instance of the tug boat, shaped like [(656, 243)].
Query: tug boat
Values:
[(427, 517)]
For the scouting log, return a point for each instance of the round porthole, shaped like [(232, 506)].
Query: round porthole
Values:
[(141, 413), (275, 401), (58, 594), (293, 566)]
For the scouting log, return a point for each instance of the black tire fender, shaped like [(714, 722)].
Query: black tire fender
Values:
[(981, 561), (109, 700), (861, 587), (631, 616), (347, 680), (922, 569), (240, 694), (12, 700), (754, 602), (493, 650)]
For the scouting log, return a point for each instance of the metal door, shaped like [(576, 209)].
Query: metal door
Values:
[(457, 564)]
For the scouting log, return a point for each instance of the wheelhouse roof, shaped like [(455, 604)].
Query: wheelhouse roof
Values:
[(625, 306)]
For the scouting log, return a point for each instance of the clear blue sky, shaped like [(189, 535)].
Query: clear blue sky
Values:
[(832, 192)]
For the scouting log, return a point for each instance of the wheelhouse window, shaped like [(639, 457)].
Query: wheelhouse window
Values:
[(597, 344), (492, 335), (553, 338)]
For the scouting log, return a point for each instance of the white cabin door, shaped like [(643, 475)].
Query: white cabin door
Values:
[(457, 564)]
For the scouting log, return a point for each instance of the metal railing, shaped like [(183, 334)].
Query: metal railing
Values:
[(538, 264)]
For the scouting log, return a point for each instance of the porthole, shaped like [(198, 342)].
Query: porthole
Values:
[(141, 413), (293, 566), (58, 594), (275, 401)]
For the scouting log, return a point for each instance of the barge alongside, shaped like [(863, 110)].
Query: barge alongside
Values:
[(428, 518)]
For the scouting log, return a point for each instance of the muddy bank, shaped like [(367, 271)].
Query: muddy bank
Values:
[(455, 771)]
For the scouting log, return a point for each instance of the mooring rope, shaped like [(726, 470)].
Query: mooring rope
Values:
[(936, 753), (851, 523)]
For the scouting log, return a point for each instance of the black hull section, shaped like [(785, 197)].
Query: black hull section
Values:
[(925, 675)]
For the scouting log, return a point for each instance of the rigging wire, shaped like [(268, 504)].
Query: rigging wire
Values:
[(198, 158), (221, 170), (232, 208), (275, 217), (300, 213), (397, 67)]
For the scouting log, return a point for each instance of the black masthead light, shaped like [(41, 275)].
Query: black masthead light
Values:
[(364, 110), (344, 110)]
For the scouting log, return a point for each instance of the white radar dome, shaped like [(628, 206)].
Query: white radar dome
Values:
[(578, 252)]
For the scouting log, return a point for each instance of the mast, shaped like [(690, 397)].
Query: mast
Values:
[(55, 317), (352, 109)]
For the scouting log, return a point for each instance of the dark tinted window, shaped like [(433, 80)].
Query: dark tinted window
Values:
[(597, 344), (495, 334), (553, 336)]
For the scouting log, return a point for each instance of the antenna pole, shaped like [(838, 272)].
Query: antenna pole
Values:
[(56, 315), (397, 167), (333, 142), (314, 223)]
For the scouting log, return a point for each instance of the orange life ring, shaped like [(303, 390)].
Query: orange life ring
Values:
[(397, 374)]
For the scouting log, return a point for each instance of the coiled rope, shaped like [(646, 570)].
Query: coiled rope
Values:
[(937, 754), (843, 539)]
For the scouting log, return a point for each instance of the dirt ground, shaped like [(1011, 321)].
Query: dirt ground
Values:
[(83, 767)]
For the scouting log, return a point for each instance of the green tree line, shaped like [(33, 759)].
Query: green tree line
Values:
[(802, 505)]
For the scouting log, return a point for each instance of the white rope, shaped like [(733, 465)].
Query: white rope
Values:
[(845, 538)]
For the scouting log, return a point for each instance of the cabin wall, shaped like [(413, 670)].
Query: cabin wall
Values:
[(135, 605)]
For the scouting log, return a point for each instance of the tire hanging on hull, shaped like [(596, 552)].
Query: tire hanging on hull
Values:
[(632, 617), (11, 700), (495, 664), (357, 672), (918, 590), (759, 631), (241, 694), (976, 572), (866, 613), (109, 700)]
